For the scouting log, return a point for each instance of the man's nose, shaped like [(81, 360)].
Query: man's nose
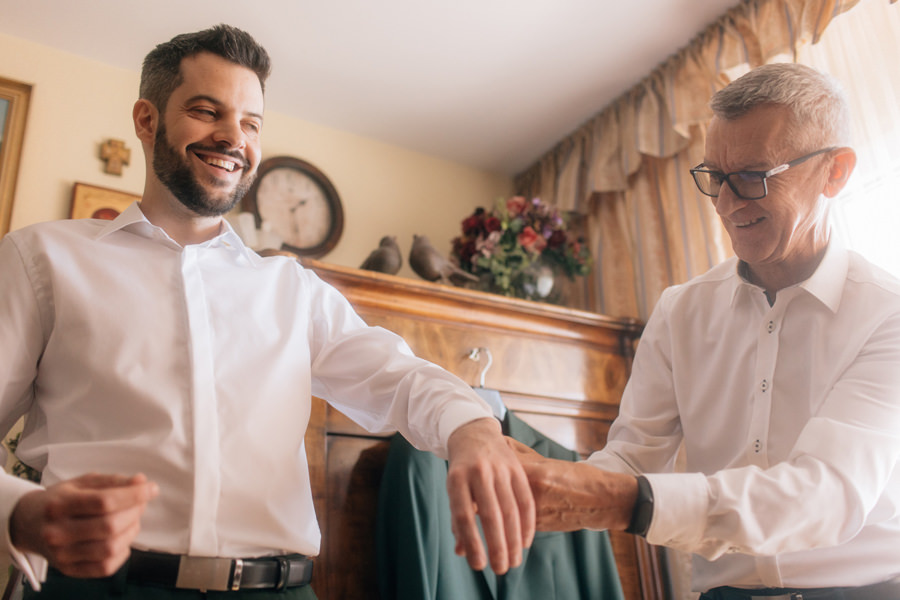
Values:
[(230, 134), (728, 201)]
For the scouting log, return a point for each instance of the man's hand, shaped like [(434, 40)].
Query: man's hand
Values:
[(84, 527), (485, 478), (571, 496)]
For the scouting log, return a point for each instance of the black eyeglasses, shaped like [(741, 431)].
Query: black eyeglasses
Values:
[(748, 185)]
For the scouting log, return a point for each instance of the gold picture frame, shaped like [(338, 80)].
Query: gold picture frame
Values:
[(14, 100), (95, 202)]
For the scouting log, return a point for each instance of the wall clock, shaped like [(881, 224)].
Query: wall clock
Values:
[(299, 203)]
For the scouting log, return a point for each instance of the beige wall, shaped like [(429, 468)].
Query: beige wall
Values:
[(77, 104)]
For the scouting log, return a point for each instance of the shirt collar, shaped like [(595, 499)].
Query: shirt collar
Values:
[(230, 239), (740, 282), (826, 283), (127, 218), (133, 219)]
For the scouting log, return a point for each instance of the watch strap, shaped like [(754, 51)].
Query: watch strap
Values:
[(642, 513)]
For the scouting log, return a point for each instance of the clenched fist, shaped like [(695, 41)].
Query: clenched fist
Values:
[(84, 526)]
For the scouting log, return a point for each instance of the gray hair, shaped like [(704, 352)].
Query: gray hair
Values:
[(821, 113)]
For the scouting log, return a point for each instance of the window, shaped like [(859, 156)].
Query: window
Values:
[(860, 48)]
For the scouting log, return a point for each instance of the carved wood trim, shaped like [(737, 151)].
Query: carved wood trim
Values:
[(379, 292), (650, 570)]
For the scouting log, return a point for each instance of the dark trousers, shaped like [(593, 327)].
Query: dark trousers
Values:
[(61, 587), (886, 590)]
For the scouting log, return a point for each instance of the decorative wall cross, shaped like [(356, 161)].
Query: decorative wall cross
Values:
[(116, 155)]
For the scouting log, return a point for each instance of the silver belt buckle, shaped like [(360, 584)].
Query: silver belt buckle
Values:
[(204, 573)]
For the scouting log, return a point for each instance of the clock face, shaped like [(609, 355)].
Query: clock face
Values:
[(294, 205), (298, 204)]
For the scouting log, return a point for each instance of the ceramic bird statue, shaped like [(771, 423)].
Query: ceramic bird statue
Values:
[(431, 265), (385, 258)]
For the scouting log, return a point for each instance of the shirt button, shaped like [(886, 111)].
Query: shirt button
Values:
[(764, 385), (770, 327)]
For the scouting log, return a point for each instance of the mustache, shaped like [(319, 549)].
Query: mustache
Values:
[(221, 149)]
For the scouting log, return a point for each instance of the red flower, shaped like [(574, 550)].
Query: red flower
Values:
[(557, 238), (492, 223), (465, 249), (471, 225), (516, 205), (531, 241)]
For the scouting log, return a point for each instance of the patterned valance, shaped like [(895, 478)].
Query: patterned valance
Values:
[(654, 118)]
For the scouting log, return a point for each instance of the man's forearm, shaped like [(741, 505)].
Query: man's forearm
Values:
[(571, 496)]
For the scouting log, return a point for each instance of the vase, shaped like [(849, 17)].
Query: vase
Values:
[(538, 281), (545, 281)]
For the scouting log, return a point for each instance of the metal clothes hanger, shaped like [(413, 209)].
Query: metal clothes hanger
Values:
[(491, 396)]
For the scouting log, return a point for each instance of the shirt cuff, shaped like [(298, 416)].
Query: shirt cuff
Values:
[(458, 413), (680, 506), (32, 566)]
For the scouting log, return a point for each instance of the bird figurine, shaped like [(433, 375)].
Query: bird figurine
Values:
[(385, 258), (431, 265)]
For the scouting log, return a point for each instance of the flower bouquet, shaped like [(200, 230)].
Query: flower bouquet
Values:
[(518, 247)]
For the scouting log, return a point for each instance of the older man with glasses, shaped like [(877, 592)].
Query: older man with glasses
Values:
[(776, 373)]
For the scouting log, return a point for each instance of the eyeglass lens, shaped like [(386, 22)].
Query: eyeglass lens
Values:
[(746, 185)]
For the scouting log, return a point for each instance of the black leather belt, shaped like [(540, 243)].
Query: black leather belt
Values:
[(886, 590), (219, 574)]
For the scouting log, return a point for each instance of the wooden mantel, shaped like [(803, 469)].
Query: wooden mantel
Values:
[(561, 370), (382, 292)]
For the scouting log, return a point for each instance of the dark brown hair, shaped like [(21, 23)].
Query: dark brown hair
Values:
[(161, 73)]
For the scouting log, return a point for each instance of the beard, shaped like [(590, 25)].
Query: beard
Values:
[(175, 173)]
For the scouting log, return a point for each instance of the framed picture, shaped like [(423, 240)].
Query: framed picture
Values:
[(14, 98), (94, 202)]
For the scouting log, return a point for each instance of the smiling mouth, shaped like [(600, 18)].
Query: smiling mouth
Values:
[(218, 162), (221, 163), (748, 223)]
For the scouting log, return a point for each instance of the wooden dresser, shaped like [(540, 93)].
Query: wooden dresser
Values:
[(560, 370)]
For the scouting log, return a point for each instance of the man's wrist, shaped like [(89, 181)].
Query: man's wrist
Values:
[(642, 513), (24, 522)]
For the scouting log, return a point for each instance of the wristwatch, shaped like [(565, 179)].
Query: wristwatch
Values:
[(643, 509)]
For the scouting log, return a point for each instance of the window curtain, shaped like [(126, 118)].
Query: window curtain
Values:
[(862, 49), (626, 169)]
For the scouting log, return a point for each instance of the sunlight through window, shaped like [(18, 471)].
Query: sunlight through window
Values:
[(861, 48)]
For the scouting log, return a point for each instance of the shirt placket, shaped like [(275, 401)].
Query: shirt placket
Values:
[(767, 346), (204, 414), (764, 372)]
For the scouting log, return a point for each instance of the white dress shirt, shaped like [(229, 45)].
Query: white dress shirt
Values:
[(790, 419), (127, 352)]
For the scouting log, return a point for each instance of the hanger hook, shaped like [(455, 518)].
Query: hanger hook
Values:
[(475, 354)]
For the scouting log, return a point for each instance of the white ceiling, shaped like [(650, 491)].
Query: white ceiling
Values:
[(489, 83)]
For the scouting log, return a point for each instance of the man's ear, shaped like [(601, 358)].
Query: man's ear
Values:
[(146, 120), (842, 163)]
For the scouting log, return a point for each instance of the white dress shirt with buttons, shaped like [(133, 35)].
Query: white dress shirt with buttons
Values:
[(194, 365), (789, 417)]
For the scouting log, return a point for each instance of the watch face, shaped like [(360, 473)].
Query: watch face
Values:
[(295, 207)]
